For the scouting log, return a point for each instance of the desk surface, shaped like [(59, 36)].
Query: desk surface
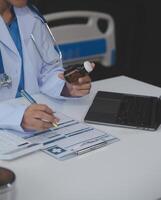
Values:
[(126, 170)]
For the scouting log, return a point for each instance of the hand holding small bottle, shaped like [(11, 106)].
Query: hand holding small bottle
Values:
[(78, 81)]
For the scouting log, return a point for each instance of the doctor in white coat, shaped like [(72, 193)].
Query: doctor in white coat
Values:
[(20, 60)]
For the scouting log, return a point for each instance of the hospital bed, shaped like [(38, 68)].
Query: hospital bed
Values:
[(84, 35)]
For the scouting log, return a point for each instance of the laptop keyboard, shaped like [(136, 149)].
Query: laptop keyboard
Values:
[(135, 111)]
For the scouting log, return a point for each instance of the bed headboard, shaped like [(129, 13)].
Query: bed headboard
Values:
[(84, 35)]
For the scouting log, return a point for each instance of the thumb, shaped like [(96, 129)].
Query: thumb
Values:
[(61, 76), (93, 65)]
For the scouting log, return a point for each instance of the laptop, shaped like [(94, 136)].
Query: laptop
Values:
[(125, 110)]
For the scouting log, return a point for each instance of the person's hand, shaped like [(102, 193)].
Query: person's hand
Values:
[(77, 89), (38, 117)]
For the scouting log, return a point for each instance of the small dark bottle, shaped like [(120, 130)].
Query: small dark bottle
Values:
[(73, 73)]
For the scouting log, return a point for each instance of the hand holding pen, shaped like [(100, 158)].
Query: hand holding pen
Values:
[(37, 117)]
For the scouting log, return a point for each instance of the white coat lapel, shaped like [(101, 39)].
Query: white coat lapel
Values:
[(5, 37), (11, 61), (27, 20)]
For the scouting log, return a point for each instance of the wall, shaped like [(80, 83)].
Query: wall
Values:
[(148, 61)]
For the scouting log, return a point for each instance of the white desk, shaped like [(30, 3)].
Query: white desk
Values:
[(126, 170)]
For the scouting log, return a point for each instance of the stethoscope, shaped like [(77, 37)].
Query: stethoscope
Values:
[(44, 53), (6, 81)]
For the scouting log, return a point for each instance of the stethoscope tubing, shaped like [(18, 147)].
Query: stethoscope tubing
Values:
[(55, 45)]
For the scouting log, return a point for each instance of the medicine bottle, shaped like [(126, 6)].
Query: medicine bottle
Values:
[(74, 72), (7, 184)]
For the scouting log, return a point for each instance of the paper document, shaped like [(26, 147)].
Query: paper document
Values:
[(70, 138), (12, 146)]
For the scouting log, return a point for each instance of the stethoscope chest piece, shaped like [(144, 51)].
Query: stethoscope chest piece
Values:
[(5, 81)]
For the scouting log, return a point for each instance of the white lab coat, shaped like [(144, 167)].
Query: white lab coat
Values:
[(38, 77)]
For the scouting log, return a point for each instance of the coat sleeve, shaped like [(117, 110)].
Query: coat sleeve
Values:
[(11, 116), (51, 85), (48, 80)]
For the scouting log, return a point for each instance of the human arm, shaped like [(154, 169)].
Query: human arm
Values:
[(23, 118), (11, 115)]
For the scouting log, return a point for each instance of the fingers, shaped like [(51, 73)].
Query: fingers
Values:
[(36, 124), (38, 117), (61, 75), (85, 79), (79, 90), (93, 65), (43, 116), (86, 86)]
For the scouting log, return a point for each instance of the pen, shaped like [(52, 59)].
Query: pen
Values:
[(32, 101)]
